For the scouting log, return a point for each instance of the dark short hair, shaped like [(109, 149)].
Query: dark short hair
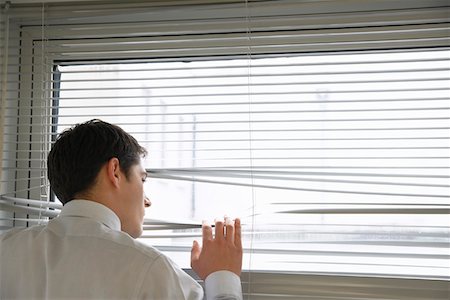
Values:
[(79, 153)]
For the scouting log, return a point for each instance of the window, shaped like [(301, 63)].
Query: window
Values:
[(327, 158), (323, 124)]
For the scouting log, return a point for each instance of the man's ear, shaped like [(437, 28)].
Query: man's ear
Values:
[(113, 171)]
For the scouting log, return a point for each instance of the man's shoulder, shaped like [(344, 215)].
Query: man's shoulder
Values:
[(125, 243), (18, 237), (20, 231)]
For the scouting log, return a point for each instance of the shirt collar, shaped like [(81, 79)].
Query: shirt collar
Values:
[(92, 210)]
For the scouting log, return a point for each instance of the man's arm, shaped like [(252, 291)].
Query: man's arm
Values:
[(219, 261)]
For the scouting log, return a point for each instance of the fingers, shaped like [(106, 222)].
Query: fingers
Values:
[(229, 230), (195, 253), (219, 230), (206, 232), (238, 233)]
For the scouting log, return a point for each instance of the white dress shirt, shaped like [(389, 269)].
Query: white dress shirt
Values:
[(82, 254)]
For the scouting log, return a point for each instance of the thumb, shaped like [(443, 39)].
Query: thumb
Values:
[(195, 251)]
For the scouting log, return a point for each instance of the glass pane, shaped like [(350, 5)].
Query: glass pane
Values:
[(336, 163)]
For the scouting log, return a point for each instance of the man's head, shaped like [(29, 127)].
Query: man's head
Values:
[(101, 160)]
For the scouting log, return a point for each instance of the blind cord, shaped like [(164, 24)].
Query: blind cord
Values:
[(41, 104), (249, 98)]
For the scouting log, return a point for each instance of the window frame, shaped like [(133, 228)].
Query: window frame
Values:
[(37, 67)]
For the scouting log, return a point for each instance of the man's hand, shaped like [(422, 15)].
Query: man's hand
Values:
[(221, 252)]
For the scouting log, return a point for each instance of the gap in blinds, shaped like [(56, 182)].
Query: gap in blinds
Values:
[(324, 126)]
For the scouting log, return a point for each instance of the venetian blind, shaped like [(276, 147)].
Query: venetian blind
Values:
[(323, 125)]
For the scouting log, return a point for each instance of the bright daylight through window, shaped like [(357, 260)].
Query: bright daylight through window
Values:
[(336, 163)]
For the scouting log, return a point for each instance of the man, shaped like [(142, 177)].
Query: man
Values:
[(90, 251)]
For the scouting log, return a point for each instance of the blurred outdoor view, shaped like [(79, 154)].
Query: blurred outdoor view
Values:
[(336, 163)]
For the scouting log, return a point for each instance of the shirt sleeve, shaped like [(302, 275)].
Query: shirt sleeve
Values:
[(223, 285)]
